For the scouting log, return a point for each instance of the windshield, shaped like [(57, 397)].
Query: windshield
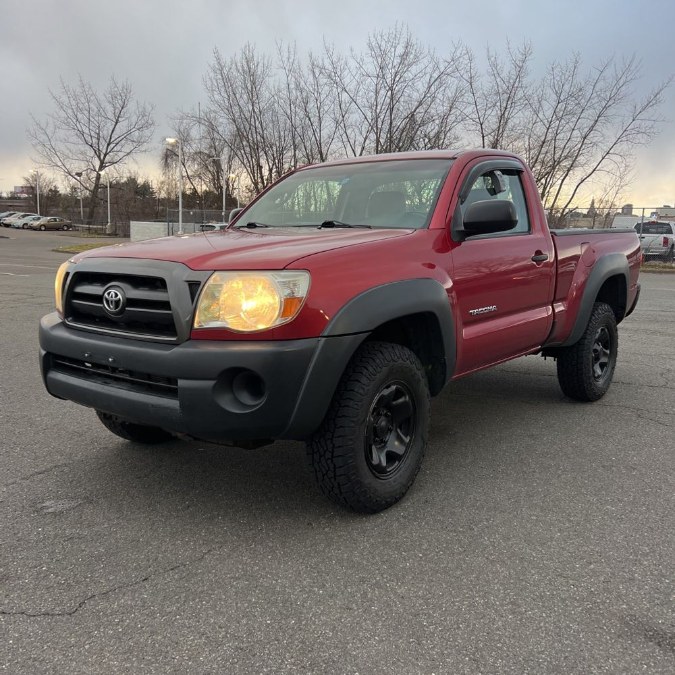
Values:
[(398, 194)]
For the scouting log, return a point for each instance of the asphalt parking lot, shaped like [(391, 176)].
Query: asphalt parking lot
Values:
[(538, 538)]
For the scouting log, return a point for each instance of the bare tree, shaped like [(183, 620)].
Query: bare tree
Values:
[(208, 161), (396, 96), (48, 188), (496, 101), (244, 94), (581, 129), (576, 127), (309, 106), (90, 131)]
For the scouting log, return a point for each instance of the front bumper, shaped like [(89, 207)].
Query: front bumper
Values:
[(221, 391)]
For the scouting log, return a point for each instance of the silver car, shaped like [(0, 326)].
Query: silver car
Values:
[(22, 223)]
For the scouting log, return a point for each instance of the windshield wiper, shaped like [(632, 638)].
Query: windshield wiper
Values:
[(339, 223), (252, 225)]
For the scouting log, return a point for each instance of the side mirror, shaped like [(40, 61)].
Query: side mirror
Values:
[(233, 214), (489, 216)]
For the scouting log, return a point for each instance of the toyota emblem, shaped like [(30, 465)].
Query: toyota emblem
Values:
[(114, 301)]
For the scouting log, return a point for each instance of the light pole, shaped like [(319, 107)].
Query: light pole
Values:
[(37, 187), (78, 174), (176, 141), (236, 194), (107, 177), (221, 159)]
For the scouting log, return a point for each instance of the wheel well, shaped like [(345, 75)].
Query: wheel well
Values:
[(421, 333), (614, 293)]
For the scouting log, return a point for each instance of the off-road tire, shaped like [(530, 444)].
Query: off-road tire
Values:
[(351, 452), (130, 431), (585, 369)]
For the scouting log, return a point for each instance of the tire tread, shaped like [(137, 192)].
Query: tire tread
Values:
[(575, 378), (331, 449)]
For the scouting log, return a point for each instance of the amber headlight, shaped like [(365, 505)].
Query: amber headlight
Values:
[(251, 301), (58, 286)]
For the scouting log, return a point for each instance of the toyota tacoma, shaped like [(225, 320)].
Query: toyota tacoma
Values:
[(333, 307)]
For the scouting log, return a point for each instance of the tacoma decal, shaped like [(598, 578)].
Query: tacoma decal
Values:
[(483, 310)]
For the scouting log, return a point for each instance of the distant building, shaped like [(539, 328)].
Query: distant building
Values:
[(23, 191), (666, 211), (625, 220), (627, 210)]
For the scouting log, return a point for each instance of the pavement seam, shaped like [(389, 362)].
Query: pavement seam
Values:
[(40, 472), (109, 591)]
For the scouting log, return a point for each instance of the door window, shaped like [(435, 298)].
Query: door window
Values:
[(501, 185)]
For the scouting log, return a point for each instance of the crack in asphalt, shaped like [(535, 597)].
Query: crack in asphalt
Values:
[(642, 414), (109, 591), (40, 472), (642, 384)]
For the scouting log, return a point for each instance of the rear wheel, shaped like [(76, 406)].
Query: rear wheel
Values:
[(668, 257), (130, 431), (370, 446), (585, 369)]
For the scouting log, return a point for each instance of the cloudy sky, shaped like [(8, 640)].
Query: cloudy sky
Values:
[(163, 48)]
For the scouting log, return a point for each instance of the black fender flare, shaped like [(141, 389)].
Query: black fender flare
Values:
[(378, 305), (347, 330), (607, 266)]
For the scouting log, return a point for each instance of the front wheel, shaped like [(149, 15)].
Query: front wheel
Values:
[(130, 431), (370, 446), (585, 369), (42, 228)]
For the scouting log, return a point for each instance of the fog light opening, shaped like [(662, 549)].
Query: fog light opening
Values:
[(248, 388)]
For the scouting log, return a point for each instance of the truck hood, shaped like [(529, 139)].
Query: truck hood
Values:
[(238, 249)]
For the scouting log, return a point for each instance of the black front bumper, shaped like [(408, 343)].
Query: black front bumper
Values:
[(219, 391)]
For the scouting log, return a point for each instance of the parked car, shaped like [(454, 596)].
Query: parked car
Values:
[(333, 307), (7, 214), (23, 223), (16, 215), (50, 223), (657, 239)]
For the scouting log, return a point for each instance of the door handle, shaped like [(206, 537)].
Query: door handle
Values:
[(539, 257)]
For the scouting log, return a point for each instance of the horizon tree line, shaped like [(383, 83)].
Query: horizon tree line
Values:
[(267, 113)]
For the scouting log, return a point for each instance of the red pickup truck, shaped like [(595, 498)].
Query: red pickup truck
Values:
[(333, 307)]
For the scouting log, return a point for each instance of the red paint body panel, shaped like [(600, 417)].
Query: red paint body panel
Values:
[(576, 255), (243, 249)]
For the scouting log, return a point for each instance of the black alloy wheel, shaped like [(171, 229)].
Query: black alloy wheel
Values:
[(370, 445), (600, 354), (585, 369), (390, 429)]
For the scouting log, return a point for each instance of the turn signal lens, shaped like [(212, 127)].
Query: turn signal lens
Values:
[(251, 301), (58, 286)]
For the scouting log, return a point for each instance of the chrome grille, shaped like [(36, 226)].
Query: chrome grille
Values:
[(147, 309)]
